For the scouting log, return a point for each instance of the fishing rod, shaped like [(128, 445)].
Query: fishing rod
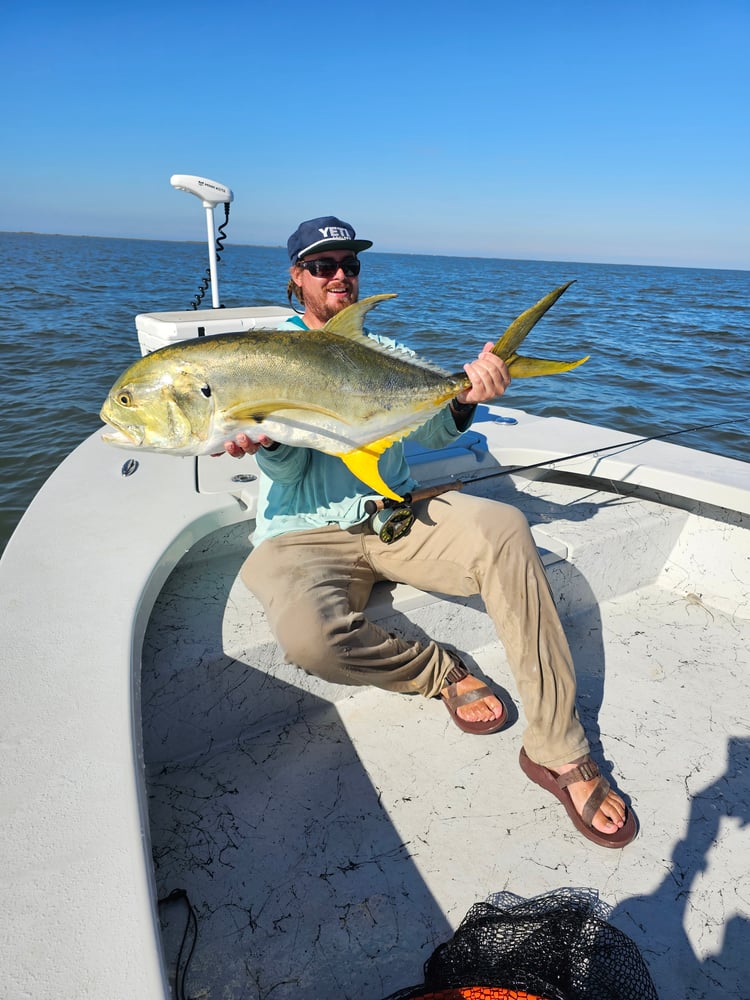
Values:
[(398, 508), (610, 447)]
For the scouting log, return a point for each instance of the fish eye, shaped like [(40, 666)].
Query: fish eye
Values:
[(124, 398), (206, 390)]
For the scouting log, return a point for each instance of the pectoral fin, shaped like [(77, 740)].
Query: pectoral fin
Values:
[(257, 411), (363, 463)]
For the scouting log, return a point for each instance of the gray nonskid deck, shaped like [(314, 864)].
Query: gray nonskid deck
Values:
[(332, 844)]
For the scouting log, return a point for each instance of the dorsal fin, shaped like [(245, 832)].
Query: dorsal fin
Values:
[(349, 325), (350, 321)]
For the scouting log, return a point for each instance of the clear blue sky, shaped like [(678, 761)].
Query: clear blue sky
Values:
[(615, 130)]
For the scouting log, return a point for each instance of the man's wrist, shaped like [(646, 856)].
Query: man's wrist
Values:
[(462, 410), (462, 413)]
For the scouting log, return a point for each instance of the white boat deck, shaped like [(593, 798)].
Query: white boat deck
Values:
[(329, 839)]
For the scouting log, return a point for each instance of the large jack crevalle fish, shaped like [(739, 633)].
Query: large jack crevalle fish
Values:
[(334, 389)]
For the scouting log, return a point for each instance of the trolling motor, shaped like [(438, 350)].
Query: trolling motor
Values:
[(392, 519), (211, 193)]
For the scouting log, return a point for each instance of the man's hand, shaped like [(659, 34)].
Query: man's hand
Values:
[(242, 445), (489, 378)]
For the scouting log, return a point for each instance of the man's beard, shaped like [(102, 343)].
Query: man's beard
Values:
[(326, 308)]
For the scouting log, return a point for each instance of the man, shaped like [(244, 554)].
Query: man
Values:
[(316, 560)]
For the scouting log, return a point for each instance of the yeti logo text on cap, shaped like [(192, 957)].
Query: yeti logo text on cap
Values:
[(335, 233), (326, 233)]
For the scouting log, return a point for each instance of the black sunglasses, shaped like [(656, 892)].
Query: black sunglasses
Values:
[(326, 267)]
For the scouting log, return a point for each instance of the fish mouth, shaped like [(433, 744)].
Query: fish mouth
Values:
[(118, 432), (130, 437)]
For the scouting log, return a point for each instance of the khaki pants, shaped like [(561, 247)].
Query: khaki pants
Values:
[(314, 586)]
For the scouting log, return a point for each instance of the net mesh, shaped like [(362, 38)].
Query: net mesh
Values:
[(554, 947)]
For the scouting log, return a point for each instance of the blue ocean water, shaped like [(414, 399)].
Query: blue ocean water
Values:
[(670, 347)]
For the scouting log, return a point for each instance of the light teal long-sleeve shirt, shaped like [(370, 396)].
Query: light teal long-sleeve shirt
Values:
[(301, 488)]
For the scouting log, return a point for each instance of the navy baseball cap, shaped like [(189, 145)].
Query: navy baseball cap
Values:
[(326, 233)]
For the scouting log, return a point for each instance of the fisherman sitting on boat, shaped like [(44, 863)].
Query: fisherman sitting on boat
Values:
[(316, 560)]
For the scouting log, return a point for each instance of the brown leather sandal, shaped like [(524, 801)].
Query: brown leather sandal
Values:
[(453, 701), (557, 784)]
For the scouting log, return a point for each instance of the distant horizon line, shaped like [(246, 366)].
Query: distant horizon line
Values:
[(404, 253)]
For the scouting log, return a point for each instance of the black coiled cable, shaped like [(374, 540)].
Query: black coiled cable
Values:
[(183, 959), (206, 280)]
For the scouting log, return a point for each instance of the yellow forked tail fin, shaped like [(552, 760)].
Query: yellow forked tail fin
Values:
[(505, 348), (521, 367)]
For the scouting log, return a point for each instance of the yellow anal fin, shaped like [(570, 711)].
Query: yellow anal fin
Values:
[(520, 367), (363, 463)]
